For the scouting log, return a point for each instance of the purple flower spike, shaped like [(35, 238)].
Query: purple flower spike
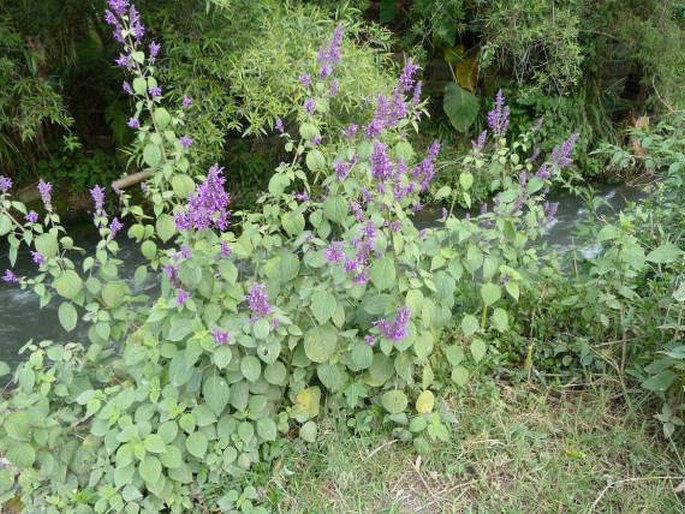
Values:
[(97, 193), (477, 145), (498, 118), (182, 296), (45, 190), (126, 87), (9, 277), (397, 329), (351, 130), (259, 301), (155, 91), (279, 125), (208, 205), (309, 105), (186, 142), (133, 123), (225, 250), (114, 227), (305, 79), (186, 102), (221, 336), (154, 49), (37, 258), (335, 252), (31, 217), (5, 184)]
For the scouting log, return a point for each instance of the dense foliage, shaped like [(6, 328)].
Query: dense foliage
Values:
[(241, 329)]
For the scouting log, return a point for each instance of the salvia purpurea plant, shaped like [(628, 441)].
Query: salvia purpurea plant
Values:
[(325, 296)]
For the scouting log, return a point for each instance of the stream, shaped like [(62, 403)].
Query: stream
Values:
[(22, 318)]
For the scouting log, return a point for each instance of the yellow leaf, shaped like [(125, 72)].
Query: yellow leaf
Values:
[(425, 402)]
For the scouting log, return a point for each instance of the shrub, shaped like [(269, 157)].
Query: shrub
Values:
[(325, 297)]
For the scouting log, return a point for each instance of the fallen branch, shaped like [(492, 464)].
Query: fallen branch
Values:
[(624, 481), (130, 180)]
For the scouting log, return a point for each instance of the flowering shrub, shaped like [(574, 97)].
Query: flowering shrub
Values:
[(326, 291)]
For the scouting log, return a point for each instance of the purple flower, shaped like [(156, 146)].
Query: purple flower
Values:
[(279, 125), (406, 80), (301, 197), (335, 252), (155, 91), (498, 117), (477, 145), (259, 301), (309, 105), (123, 61), (551, 209), (424, 172), (330, 56), (305, 79), (31, 217), (416, 97), (225, 250), (316, 140), (127, 88), (37, 258), (544, 172), (5, 183), (221, 336), (45, 190), (186, 142), (9, 277), (186, 101), (351, 130), (185, 251), (133, 123), (154, 49), (118, 6), (207, 206), (97, 193), (381, 165), (182, 296), (395, 330), (561, 155), (370, 340), (114, 227), (342, 168), (333, 88)]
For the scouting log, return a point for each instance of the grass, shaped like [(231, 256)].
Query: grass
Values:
[(512, 450)]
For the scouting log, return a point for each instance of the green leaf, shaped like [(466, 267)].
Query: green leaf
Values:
[(466, 180), (68, 284), (478, 349), (152, 155), (216, 393), (513, 289), (323, 306), (222, 356), (161, 117), (21, 455), (320, 343), (460, 375), (114, 293), (490, 293), (361, 357), (46, 244), (315, 161), (383, 274), (250, 367), (154, 444), (182, 185), (469, 325), (150, 469), (18, 425), (275, 373), (171, 458), (308, 431), (266, 429), (67, 316), (196, 444), (180, 328), (665, 253), (293, 223), (335, 209), (461, 106), (5, 225), (148, 249), (425, 402), (332, 376), (165, 227), (454, 354), (661, 381), (308, 131), (168, 431), (500, 320), (395, 401), (443, 192)]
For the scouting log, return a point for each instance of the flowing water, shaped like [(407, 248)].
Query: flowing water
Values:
[(21, 317)]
